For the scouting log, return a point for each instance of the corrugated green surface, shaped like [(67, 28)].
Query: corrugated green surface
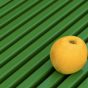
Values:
[(28, 29)]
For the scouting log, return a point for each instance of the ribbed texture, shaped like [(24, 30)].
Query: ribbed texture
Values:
[(28, 29)]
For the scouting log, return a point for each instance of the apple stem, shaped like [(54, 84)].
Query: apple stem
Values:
[(72, 41)]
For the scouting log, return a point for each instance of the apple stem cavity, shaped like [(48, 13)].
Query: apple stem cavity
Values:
[(72, 41)]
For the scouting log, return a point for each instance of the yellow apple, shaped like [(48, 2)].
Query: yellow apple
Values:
[(68, 54)]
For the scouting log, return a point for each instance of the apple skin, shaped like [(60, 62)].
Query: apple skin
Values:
[(68, 54)]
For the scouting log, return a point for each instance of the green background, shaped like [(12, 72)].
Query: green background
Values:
[(28, 28)]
